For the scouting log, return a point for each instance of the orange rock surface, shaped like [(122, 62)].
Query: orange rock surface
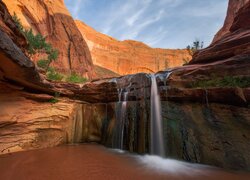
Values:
[(129, 57), (53, 20), (233, 8)]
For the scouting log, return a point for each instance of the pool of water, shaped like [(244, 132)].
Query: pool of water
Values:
[(97, 162)]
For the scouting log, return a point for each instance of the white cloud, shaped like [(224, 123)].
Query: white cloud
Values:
[(78, 5), (210, 10), (155, 37), (180, 21), (131, 20), (135, 31)]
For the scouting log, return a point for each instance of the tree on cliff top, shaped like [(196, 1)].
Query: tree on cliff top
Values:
[(197, 45)]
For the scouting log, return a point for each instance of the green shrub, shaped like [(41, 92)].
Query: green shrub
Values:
[(235, 81), (53, 75), (52, 54), (43, 63), (55, 98), (227, 81), (18, 22), (37, 44), (74, 78)]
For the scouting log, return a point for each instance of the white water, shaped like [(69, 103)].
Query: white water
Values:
[(120, 94), (157, 143), (163, 165), (123, 116), (159, 164)]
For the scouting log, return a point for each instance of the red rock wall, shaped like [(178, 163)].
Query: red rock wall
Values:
[(233, 8), (129, 57), (236, 42), (52, 19)]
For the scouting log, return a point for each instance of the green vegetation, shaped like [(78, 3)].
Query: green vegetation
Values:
[(43, 63), (197, 45), (37, 44), (18, 22), (55, 98), (74, 78), (52, 74), (227, 81)]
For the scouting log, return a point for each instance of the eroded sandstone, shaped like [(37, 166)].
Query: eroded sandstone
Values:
[(52, 20), (201, 124), (129, 57), (233, 8)]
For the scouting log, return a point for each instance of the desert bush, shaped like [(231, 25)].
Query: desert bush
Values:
[(227, 81), (75, 78), (37, 44), (52, 74)]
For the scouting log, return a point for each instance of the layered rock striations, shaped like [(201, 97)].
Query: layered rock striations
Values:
[(202, 124), (15, 66), (30, 121), (52, 20), (233, 8), (23, 125), (235, 43), (129, 57), (111, 57)]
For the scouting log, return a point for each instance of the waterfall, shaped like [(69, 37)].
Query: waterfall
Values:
[(77, 136), (121, 118), (157, 143)]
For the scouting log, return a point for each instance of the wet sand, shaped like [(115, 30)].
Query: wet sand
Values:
[(97, 162)]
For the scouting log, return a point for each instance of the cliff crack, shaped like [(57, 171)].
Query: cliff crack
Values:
[(69, 46)]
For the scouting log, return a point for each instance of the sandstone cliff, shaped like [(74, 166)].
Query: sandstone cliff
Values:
[(19, 113), (52, 19), (235, 42), (233, 8), (201, 124), (129, 57)]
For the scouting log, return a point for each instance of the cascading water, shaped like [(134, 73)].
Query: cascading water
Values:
[(157, 143), (121, 117), (77, 135)]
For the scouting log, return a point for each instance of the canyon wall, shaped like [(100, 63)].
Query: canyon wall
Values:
[(110, 57), (28, 121), (52, 20), (31, 121), (233, 8), (235, 42), (129, 57), (201, 124)]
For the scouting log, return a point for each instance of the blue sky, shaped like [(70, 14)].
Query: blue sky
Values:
[(158, 23)]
